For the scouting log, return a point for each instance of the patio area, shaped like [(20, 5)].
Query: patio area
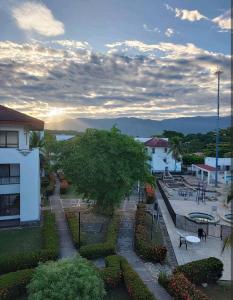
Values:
[(212, 246)]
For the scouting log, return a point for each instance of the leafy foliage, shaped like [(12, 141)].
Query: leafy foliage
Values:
[(66, 279), (189, 159), (104, 165)]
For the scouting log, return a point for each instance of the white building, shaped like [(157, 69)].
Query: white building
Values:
[(161, 157), (207, 170), (19, 167)]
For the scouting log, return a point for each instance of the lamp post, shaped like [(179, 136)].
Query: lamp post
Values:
[(79, 224), (218, 73)]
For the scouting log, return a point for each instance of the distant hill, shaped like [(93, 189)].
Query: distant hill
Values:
[(144, 127)]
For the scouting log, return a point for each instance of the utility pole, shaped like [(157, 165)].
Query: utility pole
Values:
[(218, 73)]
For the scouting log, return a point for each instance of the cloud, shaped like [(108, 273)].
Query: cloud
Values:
[(72, 44), (155, 29), (184, 14), (223, 21), (155, 81), (169, 32), (36, 17)]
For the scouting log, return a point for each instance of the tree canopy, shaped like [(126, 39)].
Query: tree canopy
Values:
[(104, 165)]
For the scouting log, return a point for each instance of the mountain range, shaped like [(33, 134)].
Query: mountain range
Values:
[(144, 127)]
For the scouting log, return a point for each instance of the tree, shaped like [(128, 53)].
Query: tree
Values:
[(66, 279), (170, 134), (176, 149), (36, 140), (189, 159), (104, 165)]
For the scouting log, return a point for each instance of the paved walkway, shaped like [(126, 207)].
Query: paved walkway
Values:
[(125, 248), (67, 248)]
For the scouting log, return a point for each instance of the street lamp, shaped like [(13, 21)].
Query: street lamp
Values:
[(218, 73)]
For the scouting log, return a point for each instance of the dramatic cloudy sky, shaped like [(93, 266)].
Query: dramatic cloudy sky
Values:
[(112, 58)]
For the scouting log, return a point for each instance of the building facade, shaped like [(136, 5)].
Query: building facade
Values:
[(161, 158), (19, 167)]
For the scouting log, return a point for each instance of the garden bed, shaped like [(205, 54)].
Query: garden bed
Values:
[(218, 291)]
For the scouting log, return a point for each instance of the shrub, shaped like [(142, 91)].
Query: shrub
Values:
[(50, 188), (103, 249), (207, 270), (64, 186), (145, 248), (112, 274), (49, 251), (14, 284), (134, 285), (182, 289), (150, 193), (66, 279), (73, 224)]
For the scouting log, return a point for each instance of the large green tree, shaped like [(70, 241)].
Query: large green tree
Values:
[(176, 148), (104, 165)]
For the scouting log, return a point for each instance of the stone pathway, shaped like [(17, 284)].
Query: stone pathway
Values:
[(67, 248), (147, 271)]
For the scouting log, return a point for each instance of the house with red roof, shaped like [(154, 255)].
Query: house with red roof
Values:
[(161, 157), (19, 168)]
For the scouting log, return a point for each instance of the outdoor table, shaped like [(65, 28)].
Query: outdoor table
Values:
[(192, 239)]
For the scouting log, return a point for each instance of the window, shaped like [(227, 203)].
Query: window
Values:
[(165, 150), (153, 150), (9, 173), (9, 205), (9, 139), (227, 168), (165, 160)]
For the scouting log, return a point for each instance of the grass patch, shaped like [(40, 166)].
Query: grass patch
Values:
[(218, 291), (71, 193), (14, 241)]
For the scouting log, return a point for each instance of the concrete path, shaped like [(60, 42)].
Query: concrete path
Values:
[(67, 248), (125, 248)]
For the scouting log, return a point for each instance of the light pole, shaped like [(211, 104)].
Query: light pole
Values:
[(218, 73)]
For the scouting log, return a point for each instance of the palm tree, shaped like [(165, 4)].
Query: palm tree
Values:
[(228, 242), (176, 148), (36, 141)]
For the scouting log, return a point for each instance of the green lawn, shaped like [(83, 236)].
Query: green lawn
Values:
[(20, 240), (220, 291), (71, 193)]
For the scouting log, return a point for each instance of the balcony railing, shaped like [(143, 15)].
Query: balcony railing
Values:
[(10, 180)]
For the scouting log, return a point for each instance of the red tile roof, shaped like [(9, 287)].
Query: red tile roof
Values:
[(205, 167), (155, 142), (13, 117)]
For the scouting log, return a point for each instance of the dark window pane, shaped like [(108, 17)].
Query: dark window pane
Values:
[(9, 205), (12, 139), (2, 139)]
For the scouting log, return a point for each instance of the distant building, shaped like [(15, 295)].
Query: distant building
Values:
[(19, 167), (63, 137), (161, 157), (207, 170)]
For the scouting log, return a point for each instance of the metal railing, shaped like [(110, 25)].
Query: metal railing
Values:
[(10, 180)]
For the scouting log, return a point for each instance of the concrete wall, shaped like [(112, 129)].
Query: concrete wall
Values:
[(222, 162), (158, 164), (29, 187)]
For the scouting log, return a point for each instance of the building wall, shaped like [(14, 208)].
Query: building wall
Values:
[(158, 164), (222, 162), (29, 187), (23, 135)]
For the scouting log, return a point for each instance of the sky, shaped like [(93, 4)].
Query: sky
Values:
[(62, 59)]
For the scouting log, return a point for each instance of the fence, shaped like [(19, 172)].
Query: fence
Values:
[(167, 202)]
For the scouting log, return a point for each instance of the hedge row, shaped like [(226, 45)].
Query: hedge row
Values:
[(207, 270), (14, 284), (143, 246), (182, 289), (112, 274), (73, 225), (134, 285), (181, 283), (51, 187), (49, 251), (103, 249)]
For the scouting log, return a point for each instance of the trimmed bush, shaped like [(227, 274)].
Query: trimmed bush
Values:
[(49, 251), (51, 187), (144, 247), (207, 270), (134, 285), (103, 249), (14, 284), (182, 289), (150, 193), (73, 224), (112, 274), (163, 279)]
